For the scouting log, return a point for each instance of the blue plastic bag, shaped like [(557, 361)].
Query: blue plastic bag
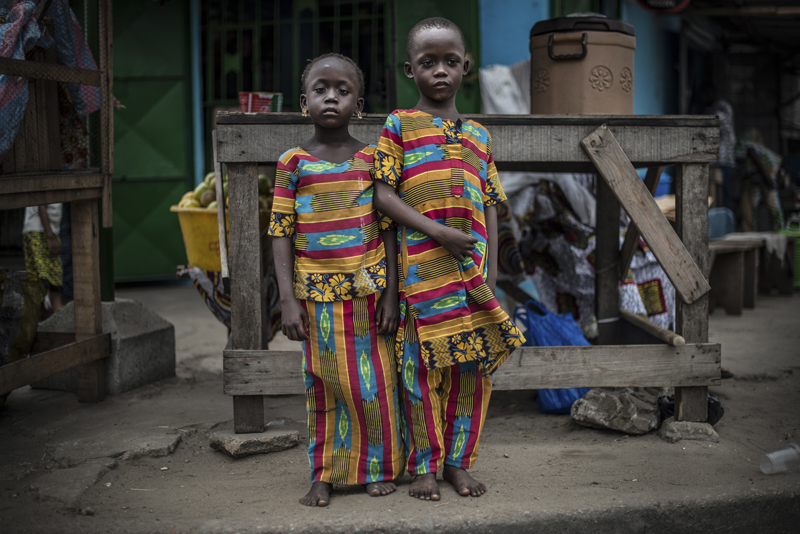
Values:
[(551, 330)]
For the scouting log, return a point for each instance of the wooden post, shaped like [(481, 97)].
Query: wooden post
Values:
[(248, 309), (691, 320), (606, 281), (86, 280), (106, 108), (632, 235)]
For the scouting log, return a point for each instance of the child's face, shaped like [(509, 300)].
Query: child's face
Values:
[(437, 63), (331, 93)]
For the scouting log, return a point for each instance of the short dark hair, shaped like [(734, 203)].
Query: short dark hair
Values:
[(312, 62), (431, 23)]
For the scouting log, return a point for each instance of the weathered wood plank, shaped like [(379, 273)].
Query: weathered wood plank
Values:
[(691, 320), (49, 181), (21, 200), (45, 341), (520, 142), (280, 372), (613, 165), (39, 366), (651, 180), (57, 73), (248, 309), (86, 283)]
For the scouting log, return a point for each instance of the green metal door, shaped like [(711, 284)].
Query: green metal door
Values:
[(152, 133)]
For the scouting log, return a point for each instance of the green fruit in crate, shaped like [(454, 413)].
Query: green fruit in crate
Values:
[(212, 206), (191, 204), (225, 189), (208, 177), (263, 184), (264, 203), (212, 184), (199, 190), (208, 197), (188, 195)]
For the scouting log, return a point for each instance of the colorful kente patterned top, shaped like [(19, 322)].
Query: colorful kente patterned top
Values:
[(445, 171), (327, 207)]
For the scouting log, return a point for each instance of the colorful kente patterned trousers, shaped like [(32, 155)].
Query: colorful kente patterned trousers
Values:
[(443, 412), (350, 378)]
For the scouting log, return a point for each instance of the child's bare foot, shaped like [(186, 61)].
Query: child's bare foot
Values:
[(462, 482), (319, 495), (425, 487), (378, 489)]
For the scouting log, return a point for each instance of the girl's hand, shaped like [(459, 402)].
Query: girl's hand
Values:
[(294, 320), (387, 313), (53, 245), (456, 242)]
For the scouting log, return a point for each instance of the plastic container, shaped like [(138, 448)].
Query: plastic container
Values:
[(201, 235), (787, 459), (582, 65)]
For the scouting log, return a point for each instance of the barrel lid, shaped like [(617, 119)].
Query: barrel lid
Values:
[(576, 22)]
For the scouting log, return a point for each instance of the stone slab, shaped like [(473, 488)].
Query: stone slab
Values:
[(631, 410), (142, 347), (113, 444), (673, 431), (67, 485), (239, 445)]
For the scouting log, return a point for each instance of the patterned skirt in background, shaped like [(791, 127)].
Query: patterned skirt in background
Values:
[(351, 395), (39, 261)]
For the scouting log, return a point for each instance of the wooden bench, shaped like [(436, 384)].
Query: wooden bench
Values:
[(734, 275)]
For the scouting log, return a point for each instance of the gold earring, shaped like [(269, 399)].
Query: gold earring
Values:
[(358, 114), (305, 112)]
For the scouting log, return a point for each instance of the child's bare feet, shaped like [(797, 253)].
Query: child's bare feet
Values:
[(318, 495), (463, 483), (378, 489), (425, 487)]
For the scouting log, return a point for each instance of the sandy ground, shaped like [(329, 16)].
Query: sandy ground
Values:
[(543, 472)]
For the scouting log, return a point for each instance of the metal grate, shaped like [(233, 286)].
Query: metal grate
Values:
[(263, 46)]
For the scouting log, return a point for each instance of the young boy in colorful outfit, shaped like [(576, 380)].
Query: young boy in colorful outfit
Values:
[(436, 178)]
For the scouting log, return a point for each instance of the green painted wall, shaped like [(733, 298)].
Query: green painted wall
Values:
[(152, 147), (465, 15)]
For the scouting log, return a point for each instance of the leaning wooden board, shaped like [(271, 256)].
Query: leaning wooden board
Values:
[(603, 149)]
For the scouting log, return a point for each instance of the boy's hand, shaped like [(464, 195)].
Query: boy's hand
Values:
[(294, 320), (387, 313), (456, 242), (53, 245)]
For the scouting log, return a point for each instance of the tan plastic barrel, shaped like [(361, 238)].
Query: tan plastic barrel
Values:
[(582, 73)]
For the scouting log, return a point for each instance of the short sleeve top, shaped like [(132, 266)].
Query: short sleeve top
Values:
[(327, 208)]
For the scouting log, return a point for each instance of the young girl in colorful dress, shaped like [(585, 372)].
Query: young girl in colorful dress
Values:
[(338, 290), (435, 177)]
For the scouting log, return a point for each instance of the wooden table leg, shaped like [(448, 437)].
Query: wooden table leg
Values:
[(727, 282), (750, 278), (248, 310), (86, 280), (691, 320)]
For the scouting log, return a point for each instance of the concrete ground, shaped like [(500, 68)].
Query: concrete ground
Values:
[(141, 462)]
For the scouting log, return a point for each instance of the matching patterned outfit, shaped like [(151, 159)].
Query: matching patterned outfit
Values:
[(453, 333), (340, 273)]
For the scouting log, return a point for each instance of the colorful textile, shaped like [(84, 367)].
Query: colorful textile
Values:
[(351, 394), (445, 171), (209, 285), (18, 34), (328, 209), (72, 51), (443, 412), (558, 251), (39, 261)]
